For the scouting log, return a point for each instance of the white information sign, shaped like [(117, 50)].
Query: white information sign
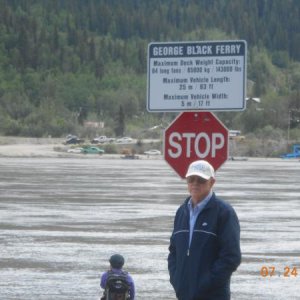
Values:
[(187, 76)]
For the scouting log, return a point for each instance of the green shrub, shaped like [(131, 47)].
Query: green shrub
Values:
[(110, 148)]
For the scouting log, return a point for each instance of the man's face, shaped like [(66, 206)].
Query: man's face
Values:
[(199, 188)]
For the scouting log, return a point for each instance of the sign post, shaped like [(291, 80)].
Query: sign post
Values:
[(196, 78), (188, 76), (193, 136)]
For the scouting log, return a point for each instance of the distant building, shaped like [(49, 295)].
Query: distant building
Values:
[(94, 124)]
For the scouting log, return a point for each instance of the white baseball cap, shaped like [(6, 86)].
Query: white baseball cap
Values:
[(201, 168)]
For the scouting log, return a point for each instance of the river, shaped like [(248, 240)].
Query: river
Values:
[(61, 219)]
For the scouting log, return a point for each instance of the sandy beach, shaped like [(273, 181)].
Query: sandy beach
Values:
[(30, 147), (29, 150), (46, 147)]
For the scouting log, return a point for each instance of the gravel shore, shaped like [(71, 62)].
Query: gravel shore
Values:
[(46, 147)]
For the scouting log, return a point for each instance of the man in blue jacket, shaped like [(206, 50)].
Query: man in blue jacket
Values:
[(205, 244)]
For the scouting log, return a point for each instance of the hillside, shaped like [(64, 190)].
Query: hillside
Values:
[(66, 62)]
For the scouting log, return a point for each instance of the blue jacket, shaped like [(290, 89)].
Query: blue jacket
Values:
[(203, 270)]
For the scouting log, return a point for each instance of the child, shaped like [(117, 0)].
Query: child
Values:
[(116, 279)]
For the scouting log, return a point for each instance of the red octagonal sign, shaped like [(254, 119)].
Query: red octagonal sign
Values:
[(193, 136)]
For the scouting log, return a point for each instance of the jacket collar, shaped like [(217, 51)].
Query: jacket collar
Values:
[(211, 203)]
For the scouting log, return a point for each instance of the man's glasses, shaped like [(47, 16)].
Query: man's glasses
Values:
[(196, 179)]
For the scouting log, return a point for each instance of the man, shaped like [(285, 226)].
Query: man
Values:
[(205, 243), (117, 276)]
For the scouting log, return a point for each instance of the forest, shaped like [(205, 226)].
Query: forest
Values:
[(67, 62)]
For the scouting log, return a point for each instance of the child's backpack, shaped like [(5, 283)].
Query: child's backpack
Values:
[(117, 287)]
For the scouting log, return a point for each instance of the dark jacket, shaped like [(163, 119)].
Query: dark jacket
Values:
[(203, 271)]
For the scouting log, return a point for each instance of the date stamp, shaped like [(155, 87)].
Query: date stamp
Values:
[(272, 271)]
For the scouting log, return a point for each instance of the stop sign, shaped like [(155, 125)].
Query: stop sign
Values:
[(193, 136)]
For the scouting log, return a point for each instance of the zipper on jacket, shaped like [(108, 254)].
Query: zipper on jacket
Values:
[(188, 252)]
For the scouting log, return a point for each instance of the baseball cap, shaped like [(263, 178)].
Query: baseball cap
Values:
[(201, 168)]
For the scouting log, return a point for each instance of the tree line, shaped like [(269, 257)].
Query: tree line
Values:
[(66, 61)]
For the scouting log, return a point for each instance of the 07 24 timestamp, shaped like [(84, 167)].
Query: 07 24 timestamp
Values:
[(270, 271)]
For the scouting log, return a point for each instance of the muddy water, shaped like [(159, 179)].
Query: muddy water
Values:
[(61, 218)]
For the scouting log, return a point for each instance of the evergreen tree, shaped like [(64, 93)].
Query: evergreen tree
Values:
[(92, 54)]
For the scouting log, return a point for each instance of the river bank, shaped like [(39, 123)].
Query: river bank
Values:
[(49, 147), (28, 147), (55, 147)]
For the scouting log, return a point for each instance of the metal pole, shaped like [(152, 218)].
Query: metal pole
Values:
[(289, 126)]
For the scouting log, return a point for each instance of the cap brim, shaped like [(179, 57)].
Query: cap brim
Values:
[(199, 174)]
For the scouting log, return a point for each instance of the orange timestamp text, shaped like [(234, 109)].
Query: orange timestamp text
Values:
[(287, 271)]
